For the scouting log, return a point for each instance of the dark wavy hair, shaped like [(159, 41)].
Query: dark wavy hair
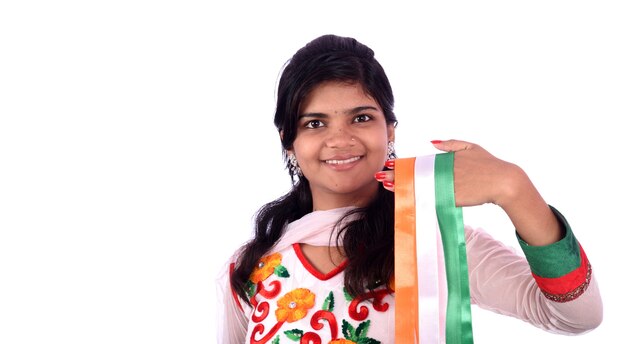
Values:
[(368, 240)]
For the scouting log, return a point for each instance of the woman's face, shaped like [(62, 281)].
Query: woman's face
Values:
[(341, 142)]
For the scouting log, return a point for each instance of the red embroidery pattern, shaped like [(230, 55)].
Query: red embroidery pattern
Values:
[(361, 313), (267, 266), (259, 329), (261, 310), (311, 338), (318, 324), (269, 293)]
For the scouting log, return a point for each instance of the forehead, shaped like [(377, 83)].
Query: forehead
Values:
[(337, 96)]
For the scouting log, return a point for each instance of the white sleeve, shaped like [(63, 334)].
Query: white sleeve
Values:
[(232, 322), (501, 281)]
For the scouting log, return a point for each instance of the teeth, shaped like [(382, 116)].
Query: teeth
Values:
[(339, 162)]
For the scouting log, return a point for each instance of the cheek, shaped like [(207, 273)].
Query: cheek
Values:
[(381, 151), (304, 152), (380, 145)]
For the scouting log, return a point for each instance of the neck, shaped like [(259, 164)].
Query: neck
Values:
[(327, 201)]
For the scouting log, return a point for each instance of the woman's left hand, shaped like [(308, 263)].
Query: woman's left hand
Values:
[(479, 177)]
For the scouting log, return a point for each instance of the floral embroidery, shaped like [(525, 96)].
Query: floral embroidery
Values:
[(294, 305), (297, 315), (267, 266), (325, 318), (316, 322)]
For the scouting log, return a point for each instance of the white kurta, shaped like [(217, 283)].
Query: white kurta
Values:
[(500, 280)]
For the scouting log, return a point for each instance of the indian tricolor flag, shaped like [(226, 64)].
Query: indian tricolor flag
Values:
[(431, 278)]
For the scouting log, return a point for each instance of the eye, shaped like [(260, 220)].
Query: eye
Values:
[(362, 118), (316, 123)]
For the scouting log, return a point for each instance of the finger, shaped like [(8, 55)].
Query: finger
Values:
[(389, 185), (387, 179), (452, 145), (390, 164), (382, 176)]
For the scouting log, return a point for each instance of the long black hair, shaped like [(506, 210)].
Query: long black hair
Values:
[(368, 240)]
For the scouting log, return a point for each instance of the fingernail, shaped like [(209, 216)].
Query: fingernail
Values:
[(435, 141), (380, 175), (390, 163), (388, 184)]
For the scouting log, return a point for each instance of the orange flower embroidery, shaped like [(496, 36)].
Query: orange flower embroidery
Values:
[(341, 341), (294, 305), (265, 268)]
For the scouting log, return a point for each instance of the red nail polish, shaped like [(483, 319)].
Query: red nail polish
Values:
[(388, 184), (435, 141), (380, 175), (390, 163)]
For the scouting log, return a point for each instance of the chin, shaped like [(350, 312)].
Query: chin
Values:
[(356, 189)]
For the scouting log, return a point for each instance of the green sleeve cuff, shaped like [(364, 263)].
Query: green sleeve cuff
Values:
[(557, 259)]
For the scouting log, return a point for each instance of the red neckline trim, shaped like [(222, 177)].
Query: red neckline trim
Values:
[(310, 268)]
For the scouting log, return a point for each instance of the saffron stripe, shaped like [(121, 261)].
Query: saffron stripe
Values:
[(407, 307)]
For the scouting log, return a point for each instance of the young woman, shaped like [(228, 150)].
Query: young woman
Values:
[(320, 267)]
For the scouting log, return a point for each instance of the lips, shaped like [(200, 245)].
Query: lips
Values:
[(343, 161)]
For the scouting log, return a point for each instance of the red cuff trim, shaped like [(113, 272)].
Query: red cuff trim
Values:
[(568, 287), (232, 291)]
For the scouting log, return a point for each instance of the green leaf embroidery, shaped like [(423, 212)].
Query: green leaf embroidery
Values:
[(250, 288), (294, 335), (348, 297), (347, 330), (276, 340), (361, 330), (359, 335), (329, 302), (281, 271)]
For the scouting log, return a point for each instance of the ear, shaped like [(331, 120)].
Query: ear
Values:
[(391, 132), (289, 151)]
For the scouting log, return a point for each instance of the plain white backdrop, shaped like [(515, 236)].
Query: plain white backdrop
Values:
[(136, 143)]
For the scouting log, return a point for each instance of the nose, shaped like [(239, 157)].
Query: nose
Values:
[(340, 137)]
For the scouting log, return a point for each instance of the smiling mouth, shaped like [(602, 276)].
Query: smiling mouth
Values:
[(341, 162)]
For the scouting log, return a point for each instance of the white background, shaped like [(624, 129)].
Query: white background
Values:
[(136, 143)]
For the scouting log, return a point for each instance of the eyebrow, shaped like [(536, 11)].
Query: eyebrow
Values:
[(352, 111)]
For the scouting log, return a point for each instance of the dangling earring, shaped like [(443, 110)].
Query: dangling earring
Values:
[(292, 164), (391, 151)]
